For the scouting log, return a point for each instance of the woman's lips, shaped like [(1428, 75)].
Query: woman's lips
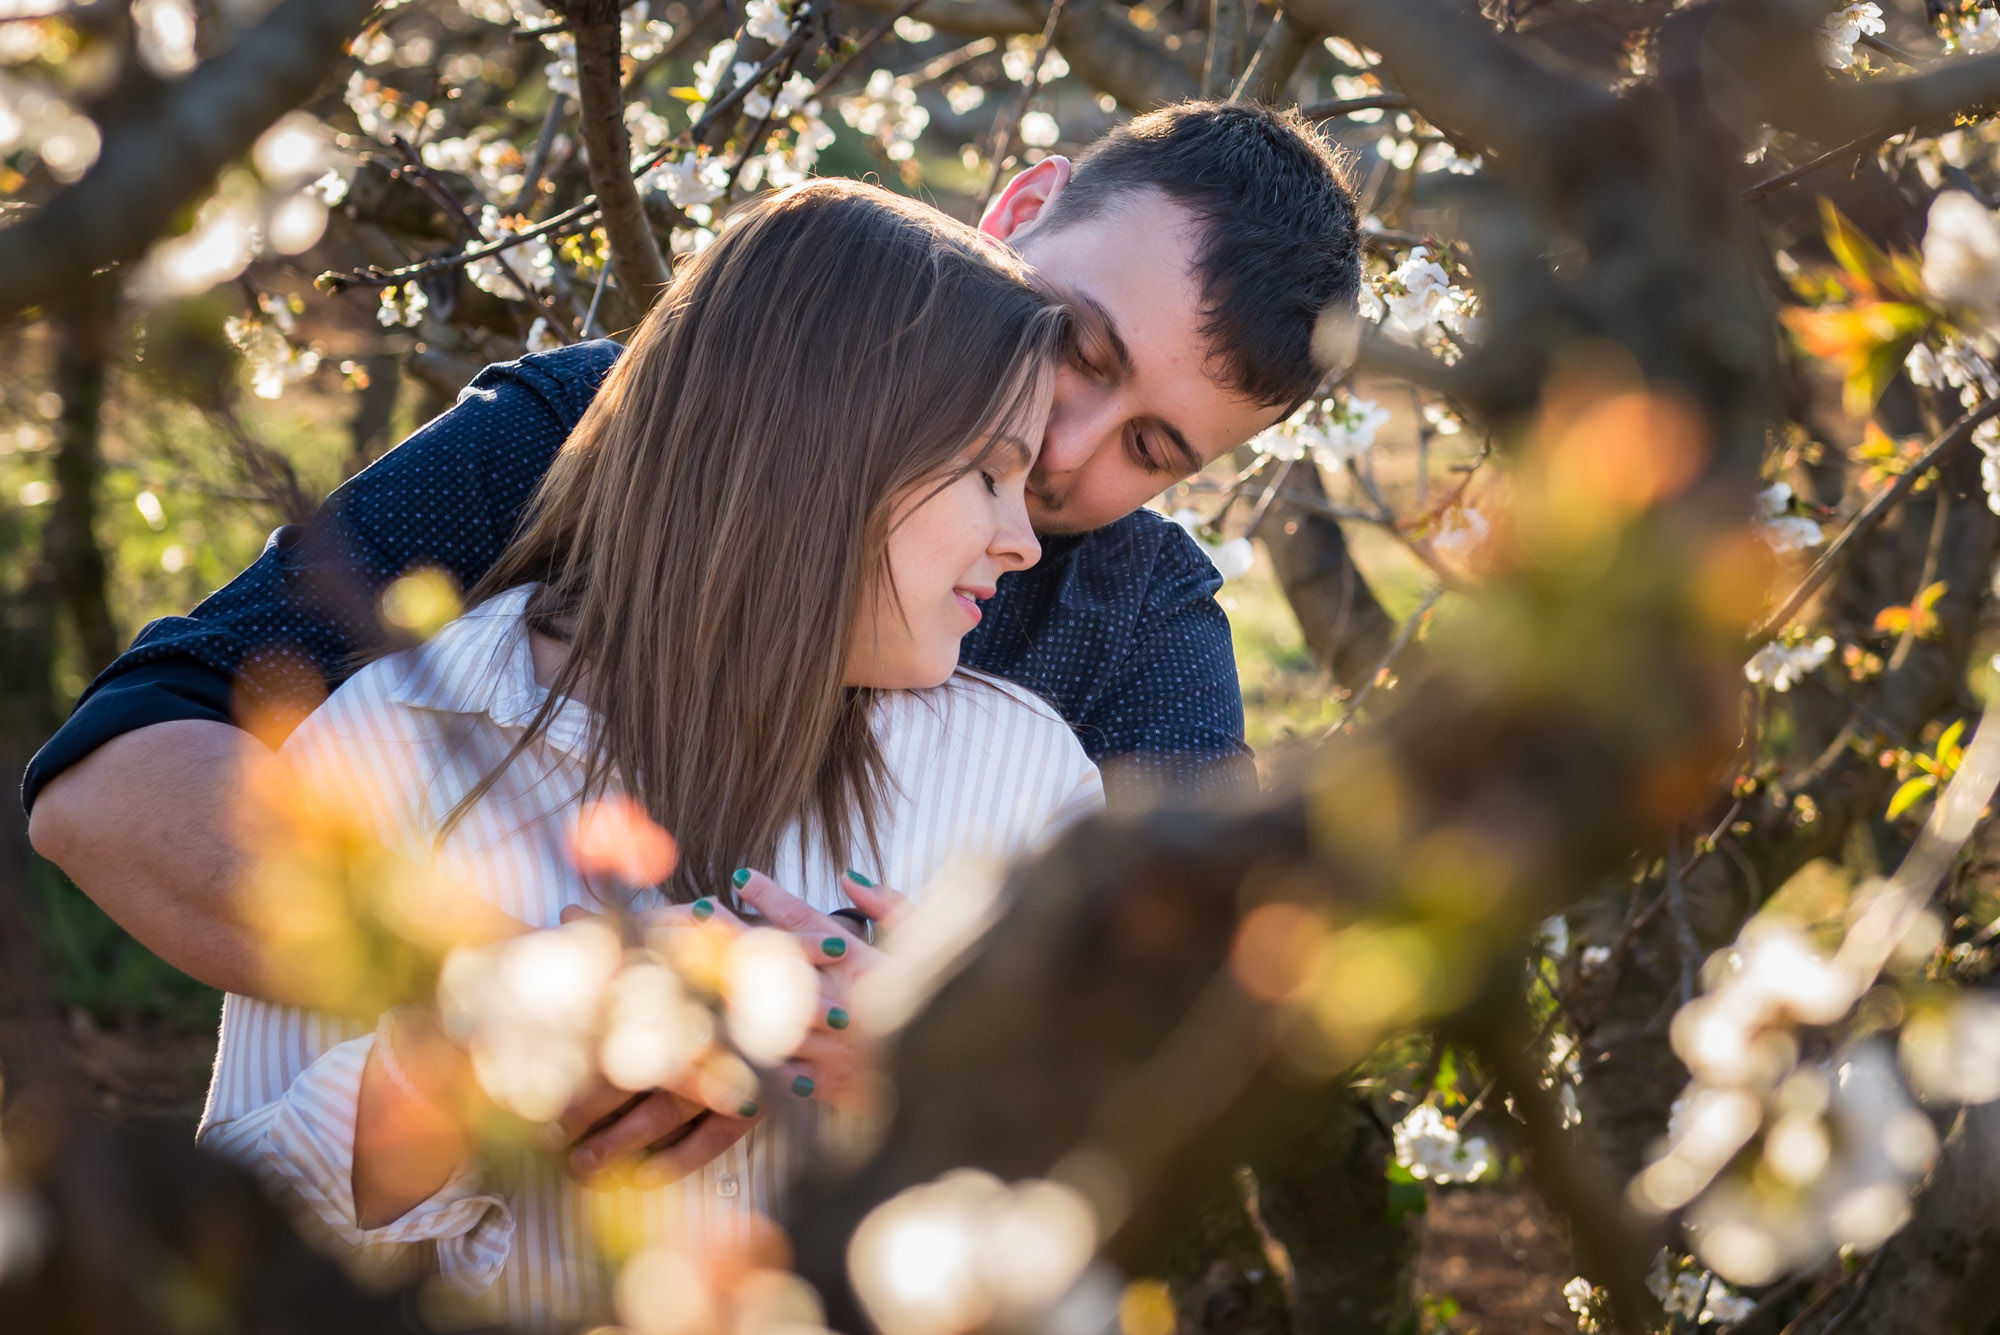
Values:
[(969, 603)]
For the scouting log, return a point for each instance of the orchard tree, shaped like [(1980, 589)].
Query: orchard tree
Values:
[(1647, 855)]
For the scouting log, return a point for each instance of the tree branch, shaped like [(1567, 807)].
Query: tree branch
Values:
[(607, 151), (1479, 88), (1873, 513), (154, 166)]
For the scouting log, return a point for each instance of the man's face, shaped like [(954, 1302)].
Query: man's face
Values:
[(1155, 414)]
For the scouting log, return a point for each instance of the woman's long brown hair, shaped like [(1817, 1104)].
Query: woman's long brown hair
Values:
[(711, 529)]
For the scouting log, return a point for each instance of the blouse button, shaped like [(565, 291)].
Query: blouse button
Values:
[(725, 1186)]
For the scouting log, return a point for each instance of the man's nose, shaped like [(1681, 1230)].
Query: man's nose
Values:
[(1079, 423)]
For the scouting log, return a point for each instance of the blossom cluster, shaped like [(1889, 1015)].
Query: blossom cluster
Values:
[(1433, 1150), (1417, 303), (1844, 29), (1334, 431), (1780, 1159)]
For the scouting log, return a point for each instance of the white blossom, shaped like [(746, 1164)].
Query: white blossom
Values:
[(1434, 1151), (1979, 32), (1040, 130), (1582, 1300), (1347, 431), (888, 111), (1962, 253), (1844, 28), (534, 260), (1232, 557), (1783, 666), (541, 337), (274, 361), (767, 21), (1784, 532), (695, 178), (1460, 532), (1696, 1294), (165, 35), (1790, 533), (1018, 60), (403, 305)]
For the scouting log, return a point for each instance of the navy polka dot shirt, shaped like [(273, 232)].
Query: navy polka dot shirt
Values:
[(1118, 628)]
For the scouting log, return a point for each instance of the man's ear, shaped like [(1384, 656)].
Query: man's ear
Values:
[(1025, 197)]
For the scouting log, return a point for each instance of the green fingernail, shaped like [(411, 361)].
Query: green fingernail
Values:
[(802, 1085), (703, 908), (859, 879), (834, 946), (748, 1109), (740, 877), (836, 1018)]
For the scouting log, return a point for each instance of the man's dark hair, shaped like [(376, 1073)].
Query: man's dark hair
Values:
[(1279, 239)]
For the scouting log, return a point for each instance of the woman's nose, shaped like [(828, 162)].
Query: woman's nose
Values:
[(1015, 546)]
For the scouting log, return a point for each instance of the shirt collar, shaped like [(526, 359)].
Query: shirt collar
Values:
[(481, 664)]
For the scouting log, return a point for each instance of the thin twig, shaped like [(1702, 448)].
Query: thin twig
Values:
[(1271, 492), (1805, 169), (1403, 638), (1003, 135), (1347, 106), (576, 218), (1873, 513), (861, 48), (538, 161), (434, 185), (1894, 52)]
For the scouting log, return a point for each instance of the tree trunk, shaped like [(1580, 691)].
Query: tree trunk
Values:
[(85, 330), (1346, 628)]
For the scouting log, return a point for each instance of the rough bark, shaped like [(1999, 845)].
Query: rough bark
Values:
[(1346, 628), (635, 252), (78, 575)]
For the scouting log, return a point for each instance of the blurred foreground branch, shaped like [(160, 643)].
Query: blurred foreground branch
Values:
[(156, 165)]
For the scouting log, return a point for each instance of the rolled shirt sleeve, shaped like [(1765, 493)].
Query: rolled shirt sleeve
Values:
[(304, 1143)]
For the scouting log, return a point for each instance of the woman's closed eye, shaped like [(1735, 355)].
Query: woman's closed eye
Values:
[(992, 482)]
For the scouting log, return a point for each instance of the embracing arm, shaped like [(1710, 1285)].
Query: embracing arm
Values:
[(133, 796), (144, 824)]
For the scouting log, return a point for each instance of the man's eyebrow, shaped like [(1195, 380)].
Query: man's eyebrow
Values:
[(1180, 443), (1119, 352), (1023, 452)]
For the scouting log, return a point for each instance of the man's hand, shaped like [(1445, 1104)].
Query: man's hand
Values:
[(668, 1132), (146, 826)]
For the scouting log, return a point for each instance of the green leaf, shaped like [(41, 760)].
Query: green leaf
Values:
[(1856, 254), (1446, 1083), (1911, 793), (1948, 749)]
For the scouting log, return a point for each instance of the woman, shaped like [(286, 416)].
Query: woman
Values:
[(737, 599)]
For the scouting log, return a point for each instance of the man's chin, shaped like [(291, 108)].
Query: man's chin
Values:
[(1055, 519)]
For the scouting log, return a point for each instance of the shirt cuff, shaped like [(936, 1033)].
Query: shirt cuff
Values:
[(157, 692), (309, 1146)]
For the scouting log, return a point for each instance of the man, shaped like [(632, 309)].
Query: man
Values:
[(1210, 238)]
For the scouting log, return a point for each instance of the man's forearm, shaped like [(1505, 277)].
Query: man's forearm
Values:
[(145, 825)]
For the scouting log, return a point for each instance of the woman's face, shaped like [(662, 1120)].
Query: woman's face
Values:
[(947, 549)]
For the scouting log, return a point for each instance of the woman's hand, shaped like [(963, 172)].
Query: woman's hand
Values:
[(836, 1063)]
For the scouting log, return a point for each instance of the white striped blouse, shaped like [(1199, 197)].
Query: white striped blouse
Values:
[(980, 769)]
